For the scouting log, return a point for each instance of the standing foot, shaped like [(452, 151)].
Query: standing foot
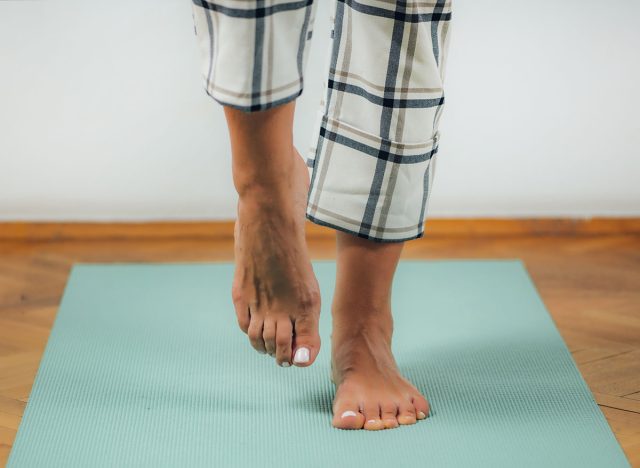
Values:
[(371, 392)]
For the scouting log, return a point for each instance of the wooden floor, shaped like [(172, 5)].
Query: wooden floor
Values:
[(589, 281)]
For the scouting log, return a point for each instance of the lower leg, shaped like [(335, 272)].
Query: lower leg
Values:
[(371, 392), (275, 292), (263, 151)]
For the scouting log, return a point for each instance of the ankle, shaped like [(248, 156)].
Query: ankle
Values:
[(362, 307), (264, 195), (269, 174), (269, 210), (352, 322)]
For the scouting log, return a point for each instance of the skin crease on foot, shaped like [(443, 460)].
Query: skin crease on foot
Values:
[(275, 292)]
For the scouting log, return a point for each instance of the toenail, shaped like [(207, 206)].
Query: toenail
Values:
[(301, 356), (346, 414), (421, 415), (371, 421), (285, 364)]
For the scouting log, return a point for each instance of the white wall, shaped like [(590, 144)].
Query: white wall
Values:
[(103, 117)]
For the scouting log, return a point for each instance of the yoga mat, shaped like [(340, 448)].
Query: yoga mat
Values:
[(146, 367)]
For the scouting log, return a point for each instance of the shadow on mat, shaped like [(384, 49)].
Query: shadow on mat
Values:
[(318, 400)]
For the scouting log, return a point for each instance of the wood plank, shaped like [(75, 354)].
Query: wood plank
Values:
[(578, 341), (618, 375), (628, 439), (633, 454), (630, 444), (17, 372), (20, 391), (622, 422), (11, 405), (4, 455), (56, 231), (620, 403), (22, 335), (11, 421), (41, 316), (584, 356), (633, 396), (7, 436)]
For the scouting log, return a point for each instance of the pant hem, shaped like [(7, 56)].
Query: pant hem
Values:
[(338, 227), (256, 107)]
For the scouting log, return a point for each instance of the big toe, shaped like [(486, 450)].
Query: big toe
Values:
[(306, 342), (347, 416)]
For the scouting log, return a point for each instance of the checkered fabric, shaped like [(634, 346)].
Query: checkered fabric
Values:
[(375, 141)]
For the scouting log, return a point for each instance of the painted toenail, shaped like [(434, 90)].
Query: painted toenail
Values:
[(302, 356), (285, 364), (346, 414), (421, 415)]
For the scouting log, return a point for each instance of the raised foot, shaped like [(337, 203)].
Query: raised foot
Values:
[(275, 292)]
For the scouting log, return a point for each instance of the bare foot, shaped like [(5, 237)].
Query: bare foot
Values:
[(371, 394), (275, 292)]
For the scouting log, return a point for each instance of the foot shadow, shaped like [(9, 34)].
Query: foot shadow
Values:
[(317, 400)]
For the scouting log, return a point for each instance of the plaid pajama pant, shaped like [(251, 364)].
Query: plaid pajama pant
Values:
[(372, 158)]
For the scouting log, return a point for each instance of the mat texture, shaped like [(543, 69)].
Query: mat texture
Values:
[(146, 367)]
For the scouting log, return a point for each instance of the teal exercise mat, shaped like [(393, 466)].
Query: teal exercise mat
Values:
[(146, 367)]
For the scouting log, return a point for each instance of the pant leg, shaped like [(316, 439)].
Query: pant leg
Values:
[(253, 52), (372, 160)]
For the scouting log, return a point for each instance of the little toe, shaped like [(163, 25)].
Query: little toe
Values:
[(406, 413), (421, 406), (284, 329), (347, 416), (255, 334)]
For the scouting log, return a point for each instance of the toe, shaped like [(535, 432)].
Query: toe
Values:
[(389, 412), (269, 336), (406, 413), (306, 341), (421, 406), (372, 420), (347, 415), (284, 328), (255, 334)]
